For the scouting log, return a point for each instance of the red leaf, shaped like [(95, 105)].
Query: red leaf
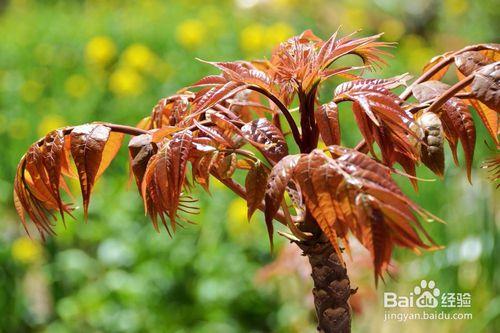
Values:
[(255, 185), (486, 86), (277, 182), (327, 119), (267, 138), (87, 146)]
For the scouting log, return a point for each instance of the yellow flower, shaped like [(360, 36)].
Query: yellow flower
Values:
[(100, 50), (126, 81), (31, 90), (26, 250), (279, 32), (392, 28), (49, 123), (77, 86), (190, 33), (139, 57), (252, 38)]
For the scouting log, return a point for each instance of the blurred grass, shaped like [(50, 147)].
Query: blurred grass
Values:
[(70, 62)]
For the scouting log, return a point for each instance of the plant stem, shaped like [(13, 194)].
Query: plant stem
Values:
[(332, 287), (307, 122)]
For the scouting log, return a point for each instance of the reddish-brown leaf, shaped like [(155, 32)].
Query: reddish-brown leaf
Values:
[(38, 181), (315, 181), (26, 201), (201, 169), (141, 149), (255, 186), (52, 154), (215, 134), (110, 150), (327, 180), (367, 48), (87, 146), (469, 62), (458, 118), (489, 117), (376, 236), (218, 94), (165, 178), (267, 138), (224, 165), (210, 80), (176, 165), (277, 182), (164, 132), (389, 83), (327, 119), (380, 117), (486, 86)]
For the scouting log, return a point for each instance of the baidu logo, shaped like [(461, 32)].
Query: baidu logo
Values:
[(424, 299), (427, 295)]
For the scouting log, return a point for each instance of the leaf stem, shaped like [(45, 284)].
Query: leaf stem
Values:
[(283, 109), (125, 129)]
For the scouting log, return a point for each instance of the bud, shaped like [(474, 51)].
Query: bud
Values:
[(431, 148)]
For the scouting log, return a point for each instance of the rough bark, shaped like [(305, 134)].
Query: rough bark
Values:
[(331, 287)]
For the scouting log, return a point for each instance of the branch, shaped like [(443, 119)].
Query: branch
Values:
[(284, 110), (450, 93), (114, 127), (437, 67), (416, 108)]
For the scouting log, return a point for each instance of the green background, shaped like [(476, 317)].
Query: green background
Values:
[(70, 62)]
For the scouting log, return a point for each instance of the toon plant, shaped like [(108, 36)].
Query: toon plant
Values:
[(250, 118)]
